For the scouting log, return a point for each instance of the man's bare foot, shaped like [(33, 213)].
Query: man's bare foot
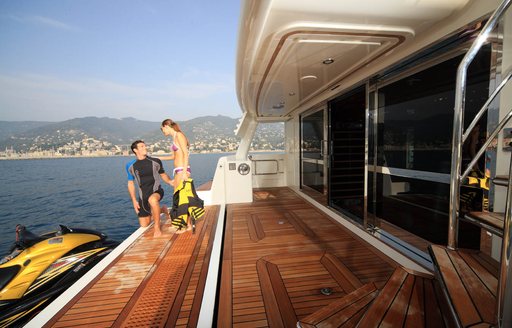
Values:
[(157, 233)]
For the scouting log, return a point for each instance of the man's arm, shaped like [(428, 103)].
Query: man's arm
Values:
[(131, 191), (165, 158), (166, 178)]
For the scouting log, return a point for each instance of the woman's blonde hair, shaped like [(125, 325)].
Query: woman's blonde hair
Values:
[(172, 124)]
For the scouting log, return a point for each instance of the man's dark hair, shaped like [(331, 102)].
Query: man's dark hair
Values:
[(134, 145)]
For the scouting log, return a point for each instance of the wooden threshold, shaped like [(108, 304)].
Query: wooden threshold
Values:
[(155, 282), (405, 235)]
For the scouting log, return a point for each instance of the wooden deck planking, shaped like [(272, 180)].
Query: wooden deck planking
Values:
[(471, 282), (344, 312), (194, 293), (407, 300), (280, 252), (120, 290)]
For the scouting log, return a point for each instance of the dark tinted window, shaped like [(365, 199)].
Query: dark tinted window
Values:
[(416, 114)]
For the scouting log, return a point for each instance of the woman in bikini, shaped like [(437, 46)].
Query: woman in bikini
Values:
[(180, 153)]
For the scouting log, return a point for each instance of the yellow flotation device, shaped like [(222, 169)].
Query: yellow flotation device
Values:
[(186, 203)]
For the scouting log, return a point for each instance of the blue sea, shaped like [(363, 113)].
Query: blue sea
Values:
[(77, 192)]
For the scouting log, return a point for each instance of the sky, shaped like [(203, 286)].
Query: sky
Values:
[(146, 59)]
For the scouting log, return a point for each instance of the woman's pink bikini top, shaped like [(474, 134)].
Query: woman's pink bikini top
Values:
[(174, 146)]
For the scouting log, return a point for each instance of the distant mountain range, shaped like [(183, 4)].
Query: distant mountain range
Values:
[(8, 129), (29, 135)]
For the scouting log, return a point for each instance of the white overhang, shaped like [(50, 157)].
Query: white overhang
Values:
[(290, 51)]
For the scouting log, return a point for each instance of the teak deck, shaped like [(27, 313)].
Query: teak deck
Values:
[(279, 252), (156, 282)]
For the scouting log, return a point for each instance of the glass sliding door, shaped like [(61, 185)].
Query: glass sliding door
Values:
[(313, 170), (347, 156), (414, 132)]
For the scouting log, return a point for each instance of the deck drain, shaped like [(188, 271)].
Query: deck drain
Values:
[(326, 291)]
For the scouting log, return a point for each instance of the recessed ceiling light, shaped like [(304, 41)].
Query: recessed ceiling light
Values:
[(308, 77), (373, 43), (328, 61)]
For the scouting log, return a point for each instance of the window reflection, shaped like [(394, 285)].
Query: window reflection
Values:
[(420, 207), (416, 114), (414, 132), (312, 162), (312, 135)]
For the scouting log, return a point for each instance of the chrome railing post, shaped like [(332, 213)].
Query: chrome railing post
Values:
[(458, 122), (504, 299)]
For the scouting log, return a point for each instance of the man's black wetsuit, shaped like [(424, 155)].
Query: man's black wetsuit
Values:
[(146, 174)]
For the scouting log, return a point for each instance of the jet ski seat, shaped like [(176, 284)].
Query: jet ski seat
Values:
[(6, 275)]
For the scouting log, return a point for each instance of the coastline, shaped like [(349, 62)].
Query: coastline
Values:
[(35, 157)]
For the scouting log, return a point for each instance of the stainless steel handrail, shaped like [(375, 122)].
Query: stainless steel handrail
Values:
[(504, 297), (458, 119), (482, 149), (485, 107)]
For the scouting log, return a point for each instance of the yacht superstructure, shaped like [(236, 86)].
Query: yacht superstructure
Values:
[(396, 118)]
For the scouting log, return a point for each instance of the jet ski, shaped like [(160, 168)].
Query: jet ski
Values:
[(40, 267)]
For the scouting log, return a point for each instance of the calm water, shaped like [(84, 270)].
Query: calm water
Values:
[(78, 192)]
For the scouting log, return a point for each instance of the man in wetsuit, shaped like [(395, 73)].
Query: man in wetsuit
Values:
[(147, 172)]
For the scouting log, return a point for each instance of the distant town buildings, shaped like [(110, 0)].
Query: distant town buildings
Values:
[(90, 147), (100, 137)]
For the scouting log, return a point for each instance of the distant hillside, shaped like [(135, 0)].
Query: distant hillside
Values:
[(31, 136), (57, 134), (8, 129), (200, 128)]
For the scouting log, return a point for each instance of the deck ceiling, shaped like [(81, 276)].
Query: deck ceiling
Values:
[(292, 52)]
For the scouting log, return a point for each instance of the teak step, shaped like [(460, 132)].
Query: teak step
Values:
[(469, 284), (490, 221), (344, 312), (407, 300)]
